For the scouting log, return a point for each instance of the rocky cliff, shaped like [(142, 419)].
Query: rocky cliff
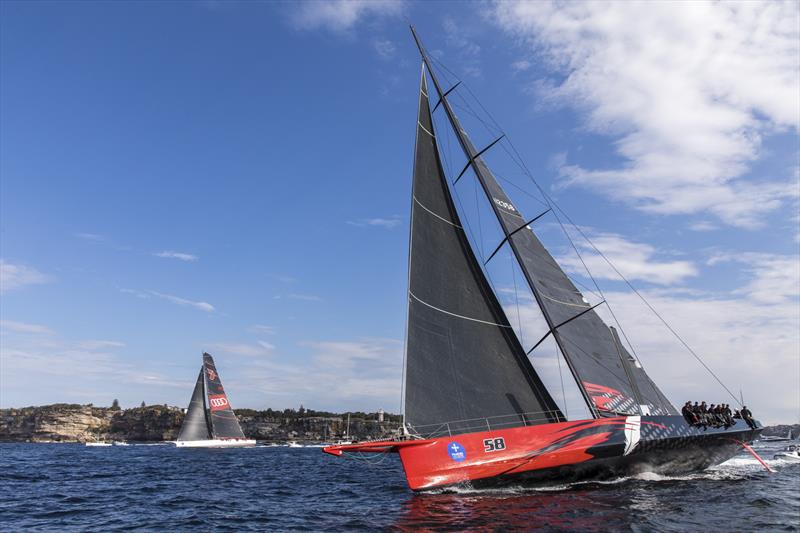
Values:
[(782, 430), (86, 423)]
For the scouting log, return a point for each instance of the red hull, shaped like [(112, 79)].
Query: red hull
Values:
[(567, 449)]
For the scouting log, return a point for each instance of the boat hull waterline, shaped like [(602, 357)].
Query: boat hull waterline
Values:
[(567, 451), (216, 443)]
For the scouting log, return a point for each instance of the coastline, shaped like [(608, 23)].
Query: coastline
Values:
[(65, 423)]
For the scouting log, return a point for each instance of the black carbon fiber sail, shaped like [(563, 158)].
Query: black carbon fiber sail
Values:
[(587, 342), (195, 423), (224, 424), (463, 360)]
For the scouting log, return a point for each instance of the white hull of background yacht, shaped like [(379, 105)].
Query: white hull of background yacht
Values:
[(216, 443)]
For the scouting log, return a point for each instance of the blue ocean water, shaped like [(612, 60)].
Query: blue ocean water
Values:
[(147, 487)]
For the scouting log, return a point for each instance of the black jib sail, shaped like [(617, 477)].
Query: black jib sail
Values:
[(195, 423), (610, 379), (224, 424), (464, 364)]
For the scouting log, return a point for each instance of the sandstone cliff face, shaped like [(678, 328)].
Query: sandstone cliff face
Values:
[(59, 422), (152, 423)]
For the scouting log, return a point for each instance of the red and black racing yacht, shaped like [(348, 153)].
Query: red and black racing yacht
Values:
[(475, 409)]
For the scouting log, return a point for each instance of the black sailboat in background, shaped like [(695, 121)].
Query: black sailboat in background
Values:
[(212, 424), (475, 409)]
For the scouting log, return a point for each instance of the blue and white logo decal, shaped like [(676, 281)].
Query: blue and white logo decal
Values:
[(456, 451)]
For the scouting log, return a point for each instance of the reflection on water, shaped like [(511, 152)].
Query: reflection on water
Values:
[(525, 510)]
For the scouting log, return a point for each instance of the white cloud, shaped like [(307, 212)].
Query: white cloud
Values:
[(689, 91), (703, 225), (387, 223), (341, 15), (261, 328), (176, 255), (364, 373), (260, 348), (22, 327), (468, 52), (521, 65), (202, 306), (18, 276), (384, 48), (456, 36), (304, 297), (36, 363), (90, 237), (774, 279), (99, 344), (636, 261)]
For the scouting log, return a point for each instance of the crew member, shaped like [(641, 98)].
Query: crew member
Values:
[(747, 416)]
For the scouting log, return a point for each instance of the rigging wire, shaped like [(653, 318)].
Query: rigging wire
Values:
[(561, 377), (550, 202), (516, 295), (478, 213)]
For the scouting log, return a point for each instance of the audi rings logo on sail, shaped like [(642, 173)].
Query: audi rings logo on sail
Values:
[(218, 402)]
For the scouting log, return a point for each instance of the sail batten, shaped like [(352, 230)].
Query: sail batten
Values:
[(463, 361), (588, 346)]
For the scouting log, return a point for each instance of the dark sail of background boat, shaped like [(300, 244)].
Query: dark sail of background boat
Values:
[(210, 415), (195, 423)]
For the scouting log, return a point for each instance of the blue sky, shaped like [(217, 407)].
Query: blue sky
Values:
[(235, 177)]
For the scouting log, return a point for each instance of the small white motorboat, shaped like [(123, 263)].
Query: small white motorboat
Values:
[(293, 444), (120, 443), (98, 444), (790, 453)]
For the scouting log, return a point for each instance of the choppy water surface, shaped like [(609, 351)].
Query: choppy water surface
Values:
[(72, 487)]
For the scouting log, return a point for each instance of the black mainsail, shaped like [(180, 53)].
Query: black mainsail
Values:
[(463, 360), (214, 420), (609, 378), (195, 423)]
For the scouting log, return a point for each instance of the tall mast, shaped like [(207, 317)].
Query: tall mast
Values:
[(206, 407), (472, 158)]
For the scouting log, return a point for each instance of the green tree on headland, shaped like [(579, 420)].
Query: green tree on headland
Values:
[(115, 405)]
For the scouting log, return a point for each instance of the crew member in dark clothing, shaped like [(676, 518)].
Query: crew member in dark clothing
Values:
[(703, 414), (687, 413), (747, 416), (712, 415), (726, 411)]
